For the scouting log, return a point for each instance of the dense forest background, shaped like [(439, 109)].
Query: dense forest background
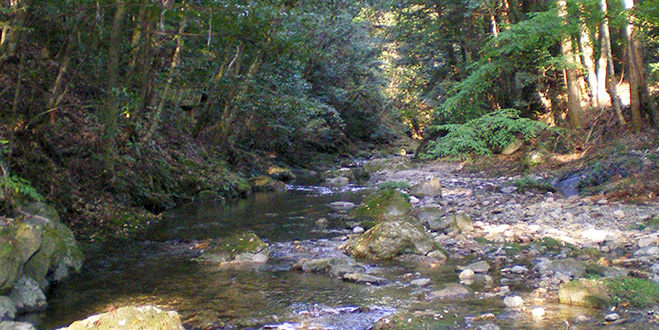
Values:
[(117, 110)]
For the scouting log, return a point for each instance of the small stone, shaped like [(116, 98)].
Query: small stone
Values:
[(358, 229), (581, 319), (647, 241), (514, 302), (477, 267), (467, 274), (485, 317), (488, 326), (655, 268), (619, 214), (538, 312), (612, 317), (519, 269), (413, 200), (452, 290), (602, 201), (420, 282), (648, 251), (360, 278), (341, 206)]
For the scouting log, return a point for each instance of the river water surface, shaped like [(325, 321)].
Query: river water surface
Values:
[(160, 270)]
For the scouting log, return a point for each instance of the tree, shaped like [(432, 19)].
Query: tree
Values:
[(575, 111)]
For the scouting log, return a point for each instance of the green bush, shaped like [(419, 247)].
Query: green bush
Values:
[(493, 131)]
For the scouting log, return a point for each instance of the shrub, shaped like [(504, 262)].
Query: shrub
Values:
[(493, 131)]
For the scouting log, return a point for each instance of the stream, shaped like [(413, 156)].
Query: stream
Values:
[(160, 270)]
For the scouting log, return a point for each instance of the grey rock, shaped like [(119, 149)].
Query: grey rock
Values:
[(488, 326), (420, 282), (8, 325), (517, 269), (341, 206), (514, 302), (451, 290), (648, 251), (612, 317), (388, 240), (361, 278), (7, 308), (467, 274), (27, 295), (569, 267), (338, 181), (428, 188), (358, 229), (477, 267)]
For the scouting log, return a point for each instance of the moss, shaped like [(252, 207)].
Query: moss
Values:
[(583, 292), (402, 185), (635, 292), (383, 205), (554, 245)]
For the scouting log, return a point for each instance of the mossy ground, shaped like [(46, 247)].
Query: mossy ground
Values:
[(634, 292), (381, 205)]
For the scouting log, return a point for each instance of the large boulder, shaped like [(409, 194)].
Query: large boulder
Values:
[(239, 248), (7, 308), (429, 188), (383, 205), (388, 240), (142, 318), (27, 296), (583, 292), (11, 263)]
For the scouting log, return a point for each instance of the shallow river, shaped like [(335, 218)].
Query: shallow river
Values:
[(160, 270)]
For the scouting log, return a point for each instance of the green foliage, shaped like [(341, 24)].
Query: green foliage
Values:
[(493, 131), (636, 292), (14, 185), (401, 185)]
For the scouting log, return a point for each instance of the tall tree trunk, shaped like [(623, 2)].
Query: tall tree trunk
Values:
[(611, 75), (110, 112), (575, 111), (639, 94), (587, 52), (176, 59)]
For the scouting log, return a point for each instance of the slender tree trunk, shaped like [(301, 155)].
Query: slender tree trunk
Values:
[(176, 59), (611, 76), (11, 33), (587, 52), (575, 111), (639, 95), (110, 112)]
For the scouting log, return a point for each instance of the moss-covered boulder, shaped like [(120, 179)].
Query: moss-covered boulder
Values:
[(237, 248), (142, 318), (58, 255), (584, 292), (390, 239), (11, 263), (264, 183), (384, 205)]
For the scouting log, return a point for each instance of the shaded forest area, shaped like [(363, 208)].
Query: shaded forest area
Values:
[(117, 110)]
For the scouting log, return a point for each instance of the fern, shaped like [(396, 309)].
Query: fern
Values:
[(493, 131), (14, 185)]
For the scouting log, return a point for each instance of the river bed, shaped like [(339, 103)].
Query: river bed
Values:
[(160, 270)]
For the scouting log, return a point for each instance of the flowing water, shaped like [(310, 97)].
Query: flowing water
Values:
[(160, 270)]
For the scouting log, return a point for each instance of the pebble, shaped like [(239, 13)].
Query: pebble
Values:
[(538, 312), (467, 274), (514, 302), (611, 317), (517, 269), (420, 282), (358, 230)]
